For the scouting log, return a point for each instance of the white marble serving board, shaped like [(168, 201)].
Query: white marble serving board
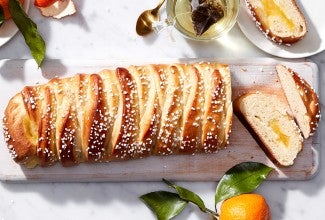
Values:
[(247, 75)]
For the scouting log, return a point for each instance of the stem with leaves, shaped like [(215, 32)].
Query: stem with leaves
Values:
[(242, 178), (29, 30)]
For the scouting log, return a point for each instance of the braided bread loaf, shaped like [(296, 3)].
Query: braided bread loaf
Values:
[(121, 114)]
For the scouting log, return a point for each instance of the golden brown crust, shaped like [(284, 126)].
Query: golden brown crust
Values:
[(66, 140), (46, 149), (111, 92), (213, 112), (192, 125), (126, 143), (65, 123), (124, 114), (217, 107), (310, 99), (28, 94), (20, 146), (309, 113), (96, 126), (168, 137), (149, 109)]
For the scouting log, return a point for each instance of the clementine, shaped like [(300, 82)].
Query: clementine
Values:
[(245, 207)]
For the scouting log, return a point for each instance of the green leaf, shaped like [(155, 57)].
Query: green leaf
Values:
[(28, 28), (2, 16), (165, 205), (242, 178), (187, 195)]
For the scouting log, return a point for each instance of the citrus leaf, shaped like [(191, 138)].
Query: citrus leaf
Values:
[(28, 29), (187, 195), (165, 205), (242, 178), (2, 16)]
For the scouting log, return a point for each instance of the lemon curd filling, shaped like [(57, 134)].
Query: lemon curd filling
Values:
[(30, 130), (272, 10), (274, 124)]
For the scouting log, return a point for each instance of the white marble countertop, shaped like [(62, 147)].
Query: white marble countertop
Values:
[(104, 29)]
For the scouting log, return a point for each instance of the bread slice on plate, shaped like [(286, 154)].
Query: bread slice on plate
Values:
[(266, 118), (302, 100), (280, 20)]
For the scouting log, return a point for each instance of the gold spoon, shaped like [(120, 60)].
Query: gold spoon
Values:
[(145, 20)]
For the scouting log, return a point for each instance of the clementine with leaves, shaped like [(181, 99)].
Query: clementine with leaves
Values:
[(233, 192), (245, 207)]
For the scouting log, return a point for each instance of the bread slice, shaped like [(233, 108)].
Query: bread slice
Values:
[(302, 100), (266, 118), (281, 20)]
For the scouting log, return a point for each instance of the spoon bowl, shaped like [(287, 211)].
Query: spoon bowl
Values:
[(147, 18)]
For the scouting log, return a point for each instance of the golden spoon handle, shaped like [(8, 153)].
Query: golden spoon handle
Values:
[(156, 9)]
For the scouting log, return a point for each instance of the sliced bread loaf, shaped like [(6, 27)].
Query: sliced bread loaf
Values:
[(266, 118), (281, 20), (302, 100)]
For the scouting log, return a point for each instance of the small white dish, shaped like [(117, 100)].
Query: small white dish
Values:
[(9, 28), (312, 43)]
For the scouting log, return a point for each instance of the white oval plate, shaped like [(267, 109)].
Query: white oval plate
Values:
[(312, 43), (9, 29)]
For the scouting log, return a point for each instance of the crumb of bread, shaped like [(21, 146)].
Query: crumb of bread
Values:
[(244, 69)]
